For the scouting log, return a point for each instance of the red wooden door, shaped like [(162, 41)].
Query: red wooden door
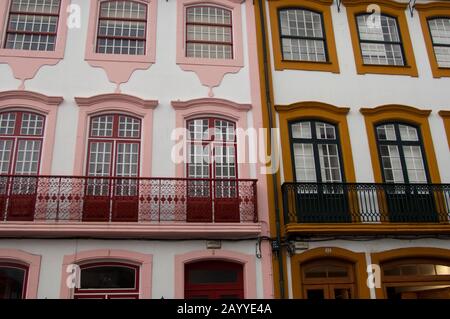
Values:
[(214, 279)]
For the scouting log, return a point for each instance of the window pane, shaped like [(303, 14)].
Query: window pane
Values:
[(329, 163), (129, 127), (387, 31), (5, 155), (7, 123), (386, 133), (209, 51), (102, 126), (28, 155), (382, 54), (414, 164), (33, 31), (440, 30), (11, 282), (118, 30), (32, 124), (304, 50), (301, 23), (36, 6), (325, 131), (108, 277), (123, 10), (390, 158), (301, 130), (100, 158), (198, 129), (408, 133), (209, 15), (224, 131), (305, 170), (440, 33), (209, 33)]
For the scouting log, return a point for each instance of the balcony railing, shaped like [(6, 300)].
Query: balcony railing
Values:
[(107, 199), (365, 203)]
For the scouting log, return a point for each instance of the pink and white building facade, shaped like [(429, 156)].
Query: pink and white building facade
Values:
[(91, 95)]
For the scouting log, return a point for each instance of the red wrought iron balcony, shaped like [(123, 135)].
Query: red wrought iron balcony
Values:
[(130, 200)]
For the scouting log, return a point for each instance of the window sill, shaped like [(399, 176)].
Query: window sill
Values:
[(387, 69), (306, 66)]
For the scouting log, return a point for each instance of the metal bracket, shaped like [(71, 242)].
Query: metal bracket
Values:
[(338, 4), (411, 6)]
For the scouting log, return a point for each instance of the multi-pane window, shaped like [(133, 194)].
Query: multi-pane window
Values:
[(440, 35), (212, 153), (122, 28), (209, 32), (380, 40), (114, 150), (21, 135), (33, 25), (302, 35), (401, 153), (316, 152)]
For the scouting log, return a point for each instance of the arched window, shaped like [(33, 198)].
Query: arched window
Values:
[(302, 35), (417, 279), (380, 40), (328, 279), (440, 37), (214, 280), (316, 153), (212, 158), (113, 150), (13, 281), (32, 25), (402, 161), (111, 280), (122, 28), (209, 32)]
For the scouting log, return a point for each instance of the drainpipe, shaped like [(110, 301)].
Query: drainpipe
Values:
[(271, 126)]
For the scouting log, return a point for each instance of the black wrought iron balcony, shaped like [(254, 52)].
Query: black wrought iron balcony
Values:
[(365, 203), (108, 199)]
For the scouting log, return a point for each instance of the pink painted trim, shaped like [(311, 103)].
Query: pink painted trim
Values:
[(211, 71), (130, 230), (212, 107), (118, 103), (248, 261), (263, 206), (119, 67), (26, 63), (34, 265), (145, 261), (45, 105)]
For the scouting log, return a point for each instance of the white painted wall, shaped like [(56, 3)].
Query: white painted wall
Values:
[(163, 276), (355, 91)]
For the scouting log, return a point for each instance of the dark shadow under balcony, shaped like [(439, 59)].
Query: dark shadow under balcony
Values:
[(365, 204), (126, 200)]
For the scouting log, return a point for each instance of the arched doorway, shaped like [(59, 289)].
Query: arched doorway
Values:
[(416, 278), (108, 280), (328, 279), (214, 279)]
